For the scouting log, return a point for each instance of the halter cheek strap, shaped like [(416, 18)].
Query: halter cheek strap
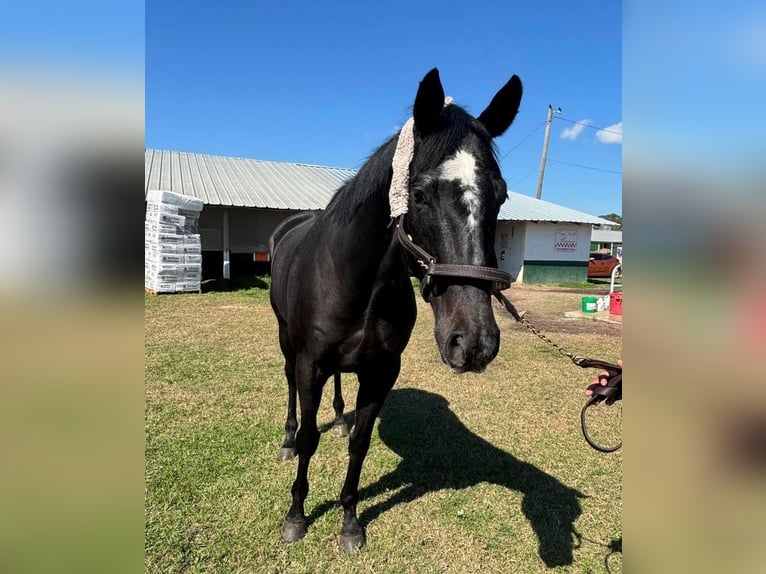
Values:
[(497, 279)]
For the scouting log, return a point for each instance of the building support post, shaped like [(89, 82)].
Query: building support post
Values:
[(226, 251)]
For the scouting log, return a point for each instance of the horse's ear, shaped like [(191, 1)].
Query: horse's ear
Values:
[(428, 103), (503, 108)]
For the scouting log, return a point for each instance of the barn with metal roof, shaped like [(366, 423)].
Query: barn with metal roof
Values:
[(537, 241), (245, 199)]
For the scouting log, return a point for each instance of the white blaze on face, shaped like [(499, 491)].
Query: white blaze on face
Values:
[(462, 167)]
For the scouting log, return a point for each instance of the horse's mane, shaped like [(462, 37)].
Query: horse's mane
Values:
[(373, 179)]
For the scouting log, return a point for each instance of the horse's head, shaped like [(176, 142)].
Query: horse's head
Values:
[(456, 191)]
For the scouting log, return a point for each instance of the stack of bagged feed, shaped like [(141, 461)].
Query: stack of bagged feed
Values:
[(172, 248)]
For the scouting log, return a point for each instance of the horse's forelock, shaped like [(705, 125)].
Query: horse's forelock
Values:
[(443, 143), (432, 150)]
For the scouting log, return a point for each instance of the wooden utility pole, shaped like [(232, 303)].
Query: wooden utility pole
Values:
[(545, 152)]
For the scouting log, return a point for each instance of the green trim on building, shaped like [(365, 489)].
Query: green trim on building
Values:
[(547, 272)]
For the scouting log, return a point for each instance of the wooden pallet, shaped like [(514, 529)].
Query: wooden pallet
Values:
[(153, 292)]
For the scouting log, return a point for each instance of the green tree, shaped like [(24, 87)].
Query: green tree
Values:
[(615, 218)]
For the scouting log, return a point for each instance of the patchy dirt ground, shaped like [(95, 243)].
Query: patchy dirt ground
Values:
[(549, 314)]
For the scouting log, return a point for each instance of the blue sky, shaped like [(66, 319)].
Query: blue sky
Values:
[(695, 87), (326, 83)]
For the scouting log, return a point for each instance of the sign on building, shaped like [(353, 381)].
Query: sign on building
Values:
[(566, 240)]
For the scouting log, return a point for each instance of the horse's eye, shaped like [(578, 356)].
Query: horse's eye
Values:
[(419, 196), (501, 189)]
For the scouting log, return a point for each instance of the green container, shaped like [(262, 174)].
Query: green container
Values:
[(589, 304)]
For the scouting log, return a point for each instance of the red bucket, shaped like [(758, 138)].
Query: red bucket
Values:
[(615, 303)]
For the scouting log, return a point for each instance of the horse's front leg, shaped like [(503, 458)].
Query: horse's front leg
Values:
[(374, 385), (309, 381)]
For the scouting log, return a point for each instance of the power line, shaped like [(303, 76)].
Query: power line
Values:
[(585, 166), (588, 125), (522, 141), (516, 182)]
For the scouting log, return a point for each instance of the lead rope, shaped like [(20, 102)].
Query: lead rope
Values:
[(519, 318), (611, 392)]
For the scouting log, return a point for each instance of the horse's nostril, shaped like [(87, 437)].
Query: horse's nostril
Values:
[(454, 339), (455, 352)]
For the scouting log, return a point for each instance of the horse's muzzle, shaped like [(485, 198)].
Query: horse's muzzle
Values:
[(464, 353)]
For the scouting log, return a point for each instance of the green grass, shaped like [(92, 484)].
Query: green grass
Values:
[(465, 473)]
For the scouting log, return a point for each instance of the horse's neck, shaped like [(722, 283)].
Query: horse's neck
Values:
[(361, 244), (363, 248), (365, 239)]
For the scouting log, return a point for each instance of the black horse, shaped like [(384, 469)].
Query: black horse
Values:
[(340, 278)]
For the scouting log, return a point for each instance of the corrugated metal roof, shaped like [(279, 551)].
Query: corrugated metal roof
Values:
[(606, 236), (520, 207), (241, 182)]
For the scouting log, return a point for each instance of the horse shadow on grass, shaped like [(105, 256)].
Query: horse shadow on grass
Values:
[(438, 452)]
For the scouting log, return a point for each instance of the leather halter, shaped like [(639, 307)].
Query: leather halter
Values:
[(497, 279)]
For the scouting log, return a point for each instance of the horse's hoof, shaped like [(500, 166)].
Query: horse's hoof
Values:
[(292, 531), (286, 454), (352, 542), (340, 430)]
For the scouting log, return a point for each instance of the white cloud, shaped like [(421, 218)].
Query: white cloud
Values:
[(747, 44), (611, 134), (574, 131)]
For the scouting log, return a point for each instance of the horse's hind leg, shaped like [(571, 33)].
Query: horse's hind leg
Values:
[(340, 428), (287, 452), (374, 385), (310, 382)]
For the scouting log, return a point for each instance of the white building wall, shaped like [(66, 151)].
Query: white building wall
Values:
[(540, 239), (249, 229), (509, 247)]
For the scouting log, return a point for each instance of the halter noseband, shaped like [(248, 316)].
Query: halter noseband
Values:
[(497, 279)]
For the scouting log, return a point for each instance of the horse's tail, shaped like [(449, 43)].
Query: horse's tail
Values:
[(271, 247)]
